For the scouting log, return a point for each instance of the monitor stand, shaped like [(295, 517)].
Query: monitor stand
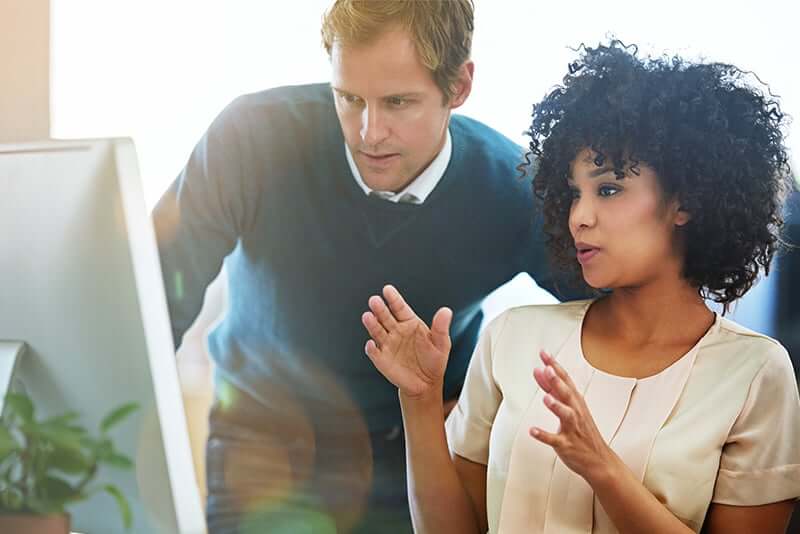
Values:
[(10, 352)]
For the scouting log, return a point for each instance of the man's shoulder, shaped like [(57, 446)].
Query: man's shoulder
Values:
[(479, 136), (479, 146), (288, 100), (315, 93)]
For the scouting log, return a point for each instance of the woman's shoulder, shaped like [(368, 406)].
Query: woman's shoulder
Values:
[(742, 342), (737, 350)]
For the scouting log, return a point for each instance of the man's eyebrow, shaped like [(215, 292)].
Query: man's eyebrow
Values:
[(404, 95), (410, 94)]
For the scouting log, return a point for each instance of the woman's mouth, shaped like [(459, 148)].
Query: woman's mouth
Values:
[(585, 254)]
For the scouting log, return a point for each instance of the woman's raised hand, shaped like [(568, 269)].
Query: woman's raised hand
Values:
[(410, 355)]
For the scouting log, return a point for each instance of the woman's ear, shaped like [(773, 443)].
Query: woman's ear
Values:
[(681, 217)]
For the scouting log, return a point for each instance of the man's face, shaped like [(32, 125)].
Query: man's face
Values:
[(392, 113)]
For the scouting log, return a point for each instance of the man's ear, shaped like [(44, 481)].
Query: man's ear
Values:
[(463, 85)]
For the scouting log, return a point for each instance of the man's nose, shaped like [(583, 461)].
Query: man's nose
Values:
[(374, 128)]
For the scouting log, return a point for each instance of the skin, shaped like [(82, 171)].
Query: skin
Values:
[(389, 106), (652, 310)]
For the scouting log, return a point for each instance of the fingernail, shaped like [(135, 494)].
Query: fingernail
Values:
[(534, 432), (550, 372)]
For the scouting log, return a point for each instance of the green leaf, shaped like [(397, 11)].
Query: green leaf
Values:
[(118, 415), (122, 504), (7, 443), (69, 461), (118, 460), (57, 491), (21, 405), (103, 449), (11, 500), (61, 420), (58, 436)]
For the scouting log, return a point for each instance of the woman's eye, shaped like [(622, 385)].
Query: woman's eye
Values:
[(607, 191)]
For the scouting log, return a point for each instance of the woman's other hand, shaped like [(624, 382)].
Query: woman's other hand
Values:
[(578, 442)]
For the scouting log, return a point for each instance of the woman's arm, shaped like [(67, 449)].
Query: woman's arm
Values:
[(445, 494), (413, 357), (767, 519), (632, 508)]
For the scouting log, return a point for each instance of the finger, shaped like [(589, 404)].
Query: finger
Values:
[(564, 413), (542, 379), (554, 440), (374, 328), (382, 312), (560, 371), (397, 304), (440, 329), (374, 353), (558, 388)]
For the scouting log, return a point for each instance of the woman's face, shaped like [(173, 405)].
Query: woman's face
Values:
[(623, 230)]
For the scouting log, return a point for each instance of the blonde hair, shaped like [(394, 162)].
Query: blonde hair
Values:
[(441, 30)]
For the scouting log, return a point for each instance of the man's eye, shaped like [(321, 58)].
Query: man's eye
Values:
[(397, 101), (350, 99), (607, 191)]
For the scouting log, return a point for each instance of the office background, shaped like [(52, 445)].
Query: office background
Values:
[(159, 71)]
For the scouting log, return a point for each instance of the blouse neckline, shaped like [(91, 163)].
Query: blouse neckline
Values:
[(581, 357)]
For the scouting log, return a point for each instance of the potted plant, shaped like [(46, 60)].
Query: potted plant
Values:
[(46, 465)]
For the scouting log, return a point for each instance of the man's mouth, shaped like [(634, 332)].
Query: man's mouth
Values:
[(378, 157)]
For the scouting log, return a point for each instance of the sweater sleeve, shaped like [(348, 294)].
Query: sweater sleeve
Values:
[(200, 218)]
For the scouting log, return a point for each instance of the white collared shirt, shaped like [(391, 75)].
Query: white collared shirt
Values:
[(418, 190)]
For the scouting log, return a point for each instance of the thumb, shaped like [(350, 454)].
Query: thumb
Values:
[(440, 329)]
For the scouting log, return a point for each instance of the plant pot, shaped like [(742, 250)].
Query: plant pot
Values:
[(33, 524)]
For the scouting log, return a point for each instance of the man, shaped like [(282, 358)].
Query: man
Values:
[(315, 197)]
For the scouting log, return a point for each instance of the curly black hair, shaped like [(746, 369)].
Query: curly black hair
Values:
[(714, 138)]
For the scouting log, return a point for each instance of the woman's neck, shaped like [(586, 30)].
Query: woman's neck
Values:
[(655, 313)]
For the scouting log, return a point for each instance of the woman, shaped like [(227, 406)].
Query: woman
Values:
[(642, 410)]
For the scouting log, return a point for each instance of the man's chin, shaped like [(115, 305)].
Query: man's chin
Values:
[(384, 180)]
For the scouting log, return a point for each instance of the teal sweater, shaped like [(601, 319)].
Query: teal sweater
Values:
[(269, 191)]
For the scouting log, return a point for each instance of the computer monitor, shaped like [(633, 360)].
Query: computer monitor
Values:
[(81, 286)]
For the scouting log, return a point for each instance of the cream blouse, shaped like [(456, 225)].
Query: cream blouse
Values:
[(721, 424)]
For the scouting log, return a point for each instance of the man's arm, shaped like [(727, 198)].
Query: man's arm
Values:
[(198, 220)]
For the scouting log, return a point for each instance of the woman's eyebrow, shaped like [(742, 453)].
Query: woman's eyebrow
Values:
[(599, 172)]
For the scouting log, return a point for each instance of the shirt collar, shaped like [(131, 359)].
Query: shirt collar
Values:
[(419, 188)]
